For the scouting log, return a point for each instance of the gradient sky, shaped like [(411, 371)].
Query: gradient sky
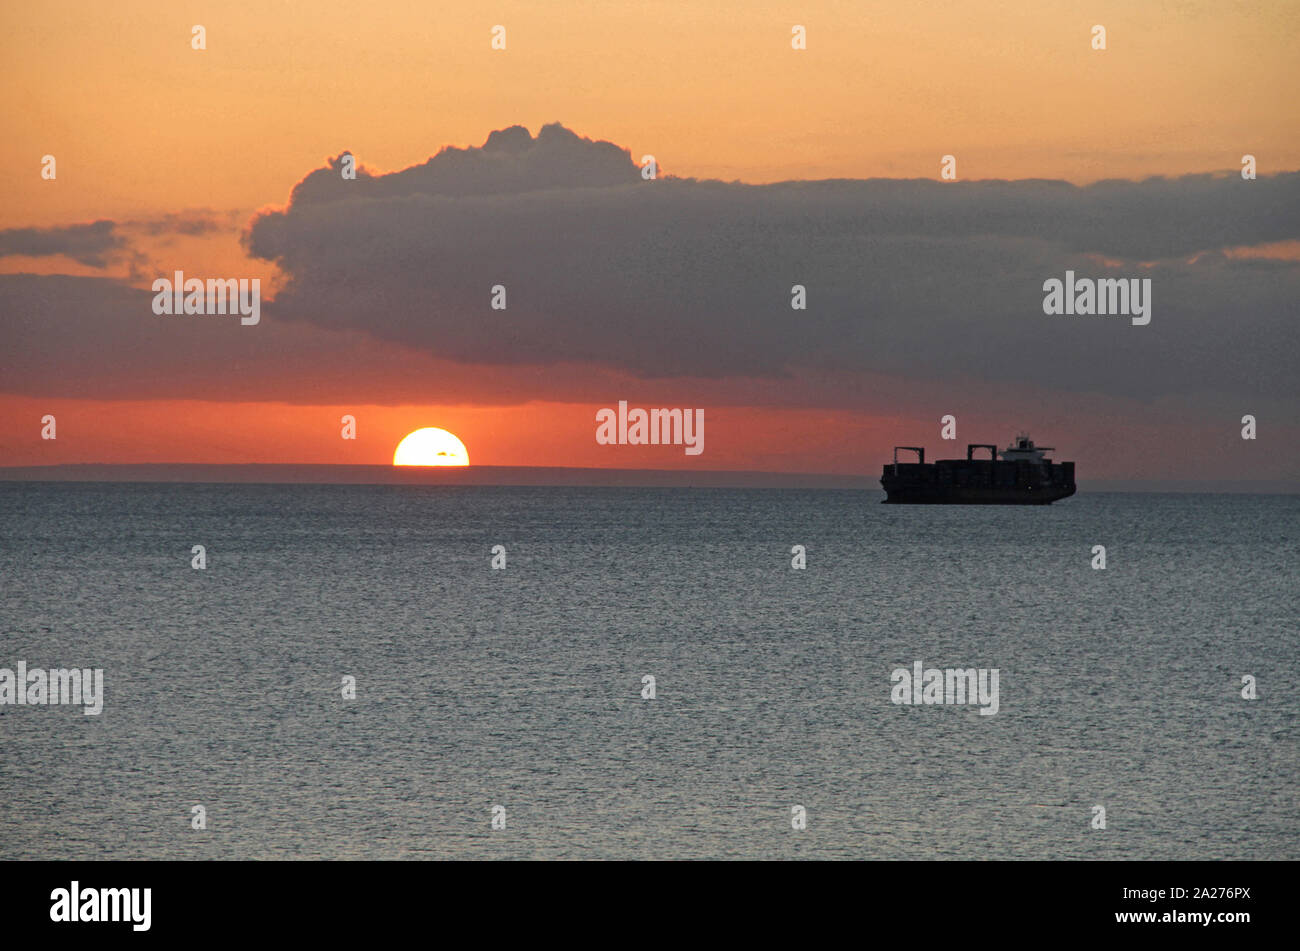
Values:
[(924, 296)]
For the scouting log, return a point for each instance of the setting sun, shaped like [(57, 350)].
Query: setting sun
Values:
[(430, 447)]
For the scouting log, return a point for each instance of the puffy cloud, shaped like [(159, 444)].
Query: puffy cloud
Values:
[(510, 162)]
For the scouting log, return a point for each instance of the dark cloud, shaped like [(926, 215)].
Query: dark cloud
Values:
[(96, 338), (103, 243), (99, 339), (684, 278), (93, 244)]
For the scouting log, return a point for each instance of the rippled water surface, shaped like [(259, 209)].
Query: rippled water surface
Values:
[(522, 688)]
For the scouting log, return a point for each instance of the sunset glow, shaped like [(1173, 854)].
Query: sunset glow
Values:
[(825, 246)]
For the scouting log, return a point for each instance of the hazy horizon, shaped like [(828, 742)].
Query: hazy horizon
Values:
[(555, 476)]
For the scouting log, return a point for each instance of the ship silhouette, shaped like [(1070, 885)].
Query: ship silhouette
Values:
[(1023, 476)]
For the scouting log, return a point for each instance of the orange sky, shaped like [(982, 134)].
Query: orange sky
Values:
[(140, 122), (561, 434), (143, 126)]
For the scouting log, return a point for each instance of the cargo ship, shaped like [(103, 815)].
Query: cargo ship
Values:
[(1023, 476)]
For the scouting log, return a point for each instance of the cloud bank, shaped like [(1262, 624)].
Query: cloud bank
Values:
[(678, 277), (610, 277)]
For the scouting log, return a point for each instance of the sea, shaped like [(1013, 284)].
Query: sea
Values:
[(1146, 710)]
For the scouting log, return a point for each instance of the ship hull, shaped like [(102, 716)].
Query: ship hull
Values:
[(923, 496)]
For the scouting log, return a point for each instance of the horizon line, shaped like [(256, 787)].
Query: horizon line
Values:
[(541, 476)]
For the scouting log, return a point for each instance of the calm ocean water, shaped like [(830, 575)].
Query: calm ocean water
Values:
[(475, 687)]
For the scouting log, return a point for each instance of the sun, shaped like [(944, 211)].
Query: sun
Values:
[(430, 447)]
